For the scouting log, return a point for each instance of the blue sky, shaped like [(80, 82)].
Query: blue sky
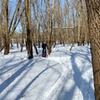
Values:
[(12, 4)]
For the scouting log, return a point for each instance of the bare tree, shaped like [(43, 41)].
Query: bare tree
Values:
[(23, 31), (48, 6), (28, 28), (6, 34), (93, 10), (52, 25), (0, 31), (40, 15)]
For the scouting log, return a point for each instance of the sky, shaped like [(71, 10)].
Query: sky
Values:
[(12, 5)]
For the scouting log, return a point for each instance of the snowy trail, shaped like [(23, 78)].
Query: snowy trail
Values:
[(54, 90), (62, 75)]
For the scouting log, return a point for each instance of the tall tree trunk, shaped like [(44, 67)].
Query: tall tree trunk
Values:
[(0, 31), (28, 28), (0, 41), (34, 40), (11, 43), (48, 43), (85, 40), (79, 28), (54, 35), (59, 22), (39, 38), (52, 25), (6, 35), (74, 25), (22, 42), (35, 48), (17, 43), (59, 32), (93, 10)]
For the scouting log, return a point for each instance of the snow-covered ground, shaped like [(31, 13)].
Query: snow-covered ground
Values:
[(63, 75)]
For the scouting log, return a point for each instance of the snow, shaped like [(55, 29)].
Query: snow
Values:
[(63, 75)]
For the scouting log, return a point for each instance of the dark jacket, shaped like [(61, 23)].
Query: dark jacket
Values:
[(44, 46)]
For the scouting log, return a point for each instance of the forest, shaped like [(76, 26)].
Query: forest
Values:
[(28, 23)]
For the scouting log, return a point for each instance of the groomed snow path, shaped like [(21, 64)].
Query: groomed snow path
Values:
[(63, 75)]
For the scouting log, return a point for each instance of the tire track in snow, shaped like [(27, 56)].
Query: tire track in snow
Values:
[(54, 90)]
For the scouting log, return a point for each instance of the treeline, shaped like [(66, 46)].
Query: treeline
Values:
[(43, 20)]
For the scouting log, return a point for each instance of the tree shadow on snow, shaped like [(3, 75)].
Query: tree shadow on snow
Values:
[(78, 77), (8, 81), (29, 65), (12, 78), (85, 88), (28, 85), (4, 65), (8, 68)]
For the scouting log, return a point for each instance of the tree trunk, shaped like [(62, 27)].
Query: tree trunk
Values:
[(52, 25), (34, 40), (74, 26), (85, 40), (22, 42), (28, 28), (48, 43), (79, 22), (0, 31), (93, 10), (0, 41), (39, 38), (54, 34), (35, 48), (54, 39), (79, 28), (6, 38), (17, 43), (11, 44)]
